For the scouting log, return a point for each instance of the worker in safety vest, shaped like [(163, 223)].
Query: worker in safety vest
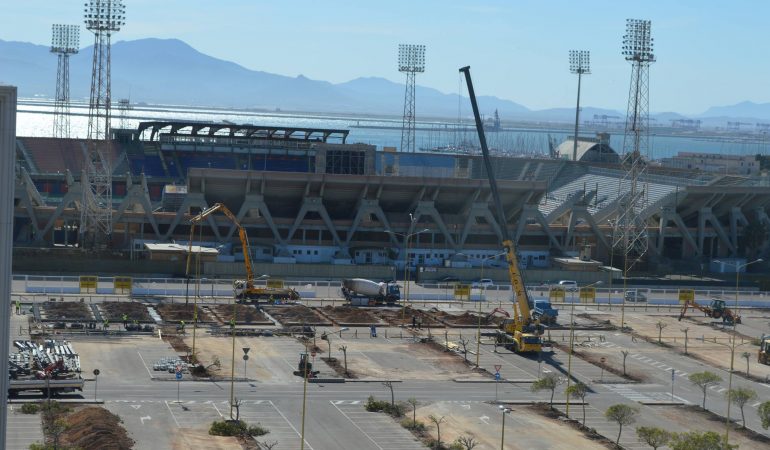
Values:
[(232, 323), (125, 320), (181, 325), (106, 324)]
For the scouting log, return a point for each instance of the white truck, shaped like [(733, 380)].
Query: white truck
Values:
[(363, 292)]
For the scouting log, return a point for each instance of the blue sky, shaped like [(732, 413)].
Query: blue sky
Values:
[(709, 53)]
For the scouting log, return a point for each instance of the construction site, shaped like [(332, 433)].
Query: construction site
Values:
[(206, 284)]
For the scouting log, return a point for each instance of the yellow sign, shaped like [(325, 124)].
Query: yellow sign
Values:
[(122, 284), (88, 284), (274, 283), (587, 295), (556, 294), (686, 295), (462, 290)]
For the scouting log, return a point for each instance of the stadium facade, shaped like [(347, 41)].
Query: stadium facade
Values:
[(309, 196)]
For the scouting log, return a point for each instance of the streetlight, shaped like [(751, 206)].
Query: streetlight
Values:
[(738, 268), (579, 63), (483, 289), (406, 263), (502, 433), (571, 342)]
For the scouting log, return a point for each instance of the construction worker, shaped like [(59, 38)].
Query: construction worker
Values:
[(181, 326), (414, 322), (106, 324), (125, 320), (232, 323), (18, 306)]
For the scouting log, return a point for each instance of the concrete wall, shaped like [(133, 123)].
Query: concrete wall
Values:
[(300, 271), (500, 276)]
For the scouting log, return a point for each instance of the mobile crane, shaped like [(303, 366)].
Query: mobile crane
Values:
[(243, 289), (716, 310), (521, 333)]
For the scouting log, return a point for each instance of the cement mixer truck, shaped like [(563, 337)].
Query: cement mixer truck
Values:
[(363, 292)]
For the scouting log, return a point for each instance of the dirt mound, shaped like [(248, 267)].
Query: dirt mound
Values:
[(296, 315), (403, 316), (135, 311), (66, 311), (349, 314), (96, 428), (174, 312), (243, 313)]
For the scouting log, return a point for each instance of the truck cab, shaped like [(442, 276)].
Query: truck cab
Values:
[(543, 311), (393, 293)]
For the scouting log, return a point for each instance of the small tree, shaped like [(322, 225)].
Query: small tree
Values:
[(267, 445), (625, 355), (746, 355), (764, 414), (464, 343), (685, 330), (704, 380), (695, 440), (344, 350), (661, 325), (437, 421), (413, 402), (579, 391), (549, 383), (653, 436), (389, 385), (623, 415), (467, 442), (237, 406), (740, 396)]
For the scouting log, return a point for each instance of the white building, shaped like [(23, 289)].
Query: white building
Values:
[(714, 162)]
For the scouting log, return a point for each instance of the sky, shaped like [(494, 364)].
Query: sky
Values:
[(517, 49)]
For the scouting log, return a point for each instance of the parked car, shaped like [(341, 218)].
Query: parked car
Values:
[(449, 279), (568, 285), (482, 283), (635, 296)]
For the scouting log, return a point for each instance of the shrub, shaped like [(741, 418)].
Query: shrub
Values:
[(414, 426), (257, 430), (30, 408), (227, 428), (374, 405)]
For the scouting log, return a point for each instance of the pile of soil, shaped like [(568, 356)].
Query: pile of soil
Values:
[(339, 368), (67, 311), (113, 311), (349, 314), (394, 317), (545, 410), (468, 318), (177, 343), (174, 312), (95, 428), (243, 314), (295, 315)]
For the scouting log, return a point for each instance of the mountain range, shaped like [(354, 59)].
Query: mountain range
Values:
[(169, 71)]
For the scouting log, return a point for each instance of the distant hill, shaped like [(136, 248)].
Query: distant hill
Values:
[(168, 71)]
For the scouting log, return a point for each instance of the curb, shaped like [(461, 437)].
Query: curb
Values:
[(493, 381), (58, 400), (325, 380), (533, 402), (662, 403), (359, 380)]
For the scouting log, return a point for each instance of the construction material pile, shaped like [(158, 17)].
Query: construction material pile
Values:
[(32, 357)]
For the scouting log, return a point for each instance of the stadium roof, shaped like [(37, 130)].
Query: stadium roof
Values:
[(204, 129)]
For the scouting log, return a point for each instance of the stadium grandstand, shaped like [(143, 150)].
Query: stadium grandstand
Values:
[(309, 196)]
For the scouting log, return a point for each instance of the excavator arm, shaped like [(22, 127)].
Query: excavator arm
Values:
[(241, 235)]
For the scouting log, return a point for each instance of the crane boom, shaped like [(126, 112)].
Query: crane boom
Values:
[(517, 282), (241, 234)]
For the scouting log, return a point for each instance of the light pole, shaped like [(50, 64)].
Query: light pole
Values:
[(483, 289), (406, 263), (579, 63), (738, 268), (502, 432), (571, 343)]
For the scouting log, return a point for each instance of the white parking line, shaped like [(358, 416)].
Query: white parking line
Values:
[(359, 428)]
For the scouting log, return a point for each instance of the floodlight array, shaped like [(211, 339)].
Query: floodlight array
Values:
[(580, 61), (411, 58), (105, 15), (65, 38), (638, 42)]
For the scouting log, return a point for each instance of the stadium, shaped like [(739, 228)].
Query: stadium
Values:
[(310, 196)]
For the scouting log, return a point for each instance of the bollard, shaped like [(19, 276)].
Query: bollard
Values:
[(356, 334), (401, 334), (386, 333)]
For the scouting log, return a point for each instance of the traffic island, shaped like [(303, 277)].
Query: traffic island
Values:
[(83, 427), (693, 417), (545, 410)]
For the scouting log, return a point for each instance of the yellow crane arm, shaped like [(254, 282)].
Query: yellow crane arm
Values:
[(241, 234), (517, 283)]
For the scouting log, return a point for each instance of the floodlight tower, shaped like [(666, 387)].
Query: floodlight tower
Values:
[(579, 63), (411, 60), (630, 228), (65, 40), (102, 17)]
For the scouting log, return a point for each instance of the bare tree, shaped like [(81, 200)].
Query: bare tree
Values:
[(746, 355), (468, 442), (685, 330), (437, 421), (661, 325), (413, 402), (237, 406), (267, 445), (389, 385), (344, 350), (625, 355), (464, 343)]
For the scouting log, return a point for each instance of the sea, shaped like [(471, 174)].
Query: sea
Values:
[(35, 119)]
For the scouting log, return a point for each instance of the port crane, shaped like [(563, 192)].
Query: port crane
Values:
[(243, 289), (521, 333)]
